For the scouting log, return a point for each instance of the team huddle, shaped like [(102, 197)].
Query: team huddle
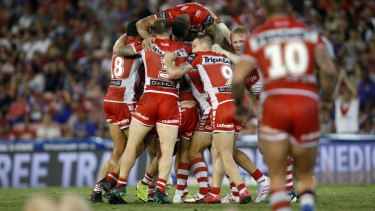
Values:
[(190, 72)]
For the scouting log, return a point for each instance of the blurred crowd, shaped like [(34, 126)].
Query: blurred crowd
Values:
[(55, 59)]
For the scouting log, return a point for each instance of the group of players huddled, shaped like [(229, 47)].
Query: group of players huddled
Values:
[(180, 61)]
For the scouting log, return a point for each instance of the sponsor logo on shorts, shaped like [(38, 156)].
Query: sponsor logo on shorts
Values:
[(123, 121), (251, 79), (225, 125), (170, 121), (141, 116)]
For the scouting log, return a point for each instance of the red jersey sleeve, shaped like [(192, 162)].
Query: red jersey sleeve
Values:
[(194, 59), (137, 47)]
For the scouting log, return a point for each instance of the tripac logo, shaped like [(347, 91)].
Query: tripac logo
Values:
[(156, 49), (215, 59)]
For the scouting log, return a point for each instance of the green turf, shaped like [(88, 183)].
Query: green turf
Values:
[(330, 197)]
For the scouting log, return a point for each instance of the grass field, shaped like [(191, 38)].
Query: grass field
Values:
[(330, 197)]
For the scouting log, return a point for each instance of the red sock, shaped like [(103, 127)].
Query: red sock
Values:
[(215, 191), (241, 188), (121, 181), (112, 177), (257, 175), (233, 187), (161, 184), (151, 190)]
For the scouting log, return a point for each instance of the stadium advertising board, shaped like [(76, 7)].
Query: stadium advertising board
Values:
[(338, 162)]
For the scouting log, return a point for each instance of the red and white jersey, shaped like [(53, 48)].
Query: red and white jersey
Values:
[(284, 50), (254, 83), (185, 92), (199, 16), (156, 77), (216, 73), (194, 80), (124, 78)]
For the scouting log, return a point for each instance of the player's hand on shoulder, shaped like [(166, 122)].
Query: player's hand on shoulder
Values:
[(170, 56), (147, 43), (217, 49)]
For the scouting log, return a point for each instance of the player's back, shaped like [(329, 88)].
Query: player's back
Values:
[(124, 77), (156, 76), (216, 73), (198, 15), (284, 50)]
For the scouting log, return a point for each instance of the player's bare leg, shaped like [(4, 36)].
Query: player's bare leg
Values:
[(199, 142), (304, 162), (224, 145), (168, 136), (275, 156), (119, 138)]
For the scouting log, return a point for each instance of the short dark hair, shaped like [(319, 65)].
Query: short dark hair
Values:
[(275, 6), (131, 29), (180, 26), (161, 26)]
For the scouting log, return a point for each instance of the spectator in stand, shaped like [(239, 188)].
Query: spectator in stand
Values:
[(18, 110), (48, 129), (369, 57), (346, 106), (366, 87), (353, 48)]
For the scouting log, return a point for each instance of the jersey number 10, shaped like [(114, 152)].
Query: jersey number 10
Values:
[(295, 57)]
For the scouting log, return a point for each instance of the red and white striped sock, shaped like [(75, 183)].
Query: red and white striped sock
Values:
[(241, 188), (233, 187), (258, 176), (151, 190), (121, 181), (215, 191), (112, 177), (201, 173), (182, 175), (97, 188), (161, 184), (147, 179), (279, 200), (289, 175)]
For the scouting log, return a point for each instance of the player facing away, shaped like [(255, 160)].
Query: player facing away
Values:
[(158, 107), (215, 71), (285, 50), (119, 106), (186, 20)]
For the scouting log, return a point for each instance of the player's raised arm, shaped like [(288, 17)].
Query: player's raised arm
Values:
[(173, 71), (219, 50), (328, 73), (124, 50), (214, 32), (142, 27)]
